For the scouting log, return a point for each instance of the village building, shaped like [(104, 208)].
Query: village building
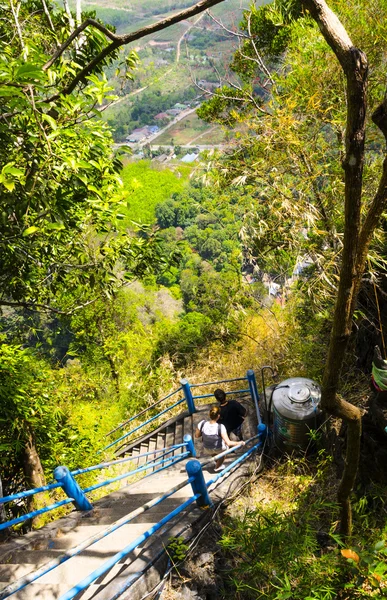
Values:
[(189, 158), (173, 112), (161, 116)]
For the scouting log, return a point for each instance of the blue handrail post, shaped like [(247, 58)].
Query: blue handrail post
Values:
[(262, 431), (187, 439), (254, 392), (194, 469), (71, 488), (188, 396)]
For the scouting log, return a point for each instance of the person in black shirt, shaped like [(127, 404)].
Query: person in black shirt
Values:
[(232, 414)]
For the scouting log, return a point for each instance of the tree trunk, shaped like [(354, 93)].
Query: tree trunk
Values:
[(3, 516), (357, 236), (354, 64), (34, 475)]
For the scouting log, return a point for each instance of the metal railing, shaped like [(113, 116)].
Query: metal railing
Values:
[(76, 495), (189, 399), (200, 495), (161, 459), (145, 423)]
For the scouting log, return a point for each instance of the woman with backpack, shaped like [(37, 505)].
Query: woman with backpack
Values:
[(215, 438)]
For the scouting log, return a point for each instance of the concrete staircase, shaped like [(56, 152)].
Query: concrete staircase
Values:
[(23, 555)]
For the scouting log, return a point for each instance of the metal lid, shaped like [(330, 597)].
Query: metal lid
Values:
[(299, 392), (297, 398)]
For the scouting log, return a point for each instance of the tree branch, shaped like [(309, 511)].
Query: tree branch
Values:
[(75, 34), (123, 40), (234, 33), (15, 14), (332, 29)]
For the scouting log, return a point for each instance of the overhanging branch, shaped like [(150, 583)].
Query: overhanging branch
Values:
[(122, 40)]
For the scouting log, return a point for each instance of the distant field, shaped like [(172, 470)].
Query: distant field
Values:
[(214, 136), (148, 184), (183, 132), (129, 15)]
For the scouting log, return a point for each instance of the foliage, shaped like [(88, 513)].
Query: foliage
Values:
[(292, 152), (282, 548), (184, 339), (369, 567), (27, 392), (177, 549), (59, 179), (146, 186)]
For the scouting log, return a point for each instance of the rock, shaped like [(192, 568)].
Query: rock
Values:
[(204, 559), (186, 594)]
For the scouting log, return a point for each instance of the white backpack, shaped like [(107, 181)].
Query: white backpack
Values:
[(213, 441)]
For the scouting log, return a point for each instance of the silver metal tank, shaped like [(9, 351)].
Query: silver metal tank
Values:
[(295, 408)]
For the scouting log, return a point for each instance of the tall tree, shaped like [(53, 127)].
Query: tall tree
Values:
[(358, 232), (61, 193), (301, 127)]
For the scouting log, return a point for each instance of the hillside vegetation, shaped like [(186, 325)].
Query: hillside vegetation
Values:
[(118, 279), (147, 185)]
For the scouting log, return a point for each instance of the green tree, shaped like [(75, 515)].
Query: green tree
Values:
[(316, 125), (29, 418)]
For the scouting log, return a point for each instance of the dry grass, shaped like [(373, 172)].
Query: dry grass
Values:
[(263, 342)]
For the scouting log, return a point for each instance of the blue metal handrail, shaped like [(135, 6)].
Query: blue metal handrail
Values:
[(216, 382), (149, 465), (25, 494), (82, 585), (189, 399), (227, 394), (199, 486), (142, 425), (143, 411), (35, 513), (107, 565), (127, 459), (24, 581), (165, 462)]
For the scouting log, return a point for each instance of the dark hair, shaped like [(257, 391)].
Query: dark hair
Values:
[(214, 413), (220, 395)]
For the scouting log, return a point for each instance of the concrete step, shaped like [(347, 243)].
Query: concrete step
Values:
[(23, 556), (160, 443), (134, 453), (152, 446), (187, 426), (143, 448), (37, 591), (110, 586), (170, 436), (33, 557), (179, 435)]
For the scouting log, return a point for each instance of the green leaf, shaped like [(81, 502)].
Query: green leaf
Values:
[(92, 188), (84, 164), (6, 92), (9, 184), (13, 171), (30, 230), (29, 71), (55, 226), (83, 178), (50, 120), (379, 545)]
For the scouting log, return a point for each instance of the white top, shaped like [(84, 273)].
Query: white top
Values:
[(212, 429)]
